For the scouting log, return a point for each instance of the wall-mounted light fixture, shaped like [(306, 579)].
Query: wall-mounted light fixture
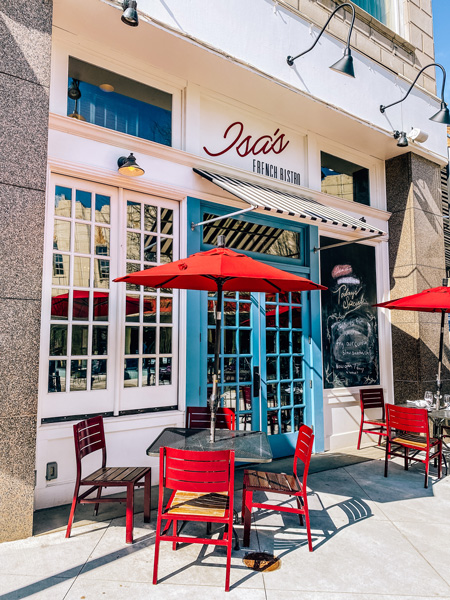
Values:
[(345, 64), (443, 115), (128, 166), (74, 94), (130, 16), (401, 138)]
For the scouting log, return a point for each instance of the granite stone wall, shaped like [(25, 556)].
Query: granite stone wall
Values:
[(417, 262), (25, 47)]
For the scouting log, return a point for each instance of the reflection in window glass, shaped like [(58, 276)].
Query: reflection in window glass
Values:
[(344, 179), (61, 235), (82, 238), (132, 308), (81, 271), (102, 210), (166, 221), (133, 215), (133, 245), (101, 273), (149, 340), (99, 340), (150, 217), (101, 241), (149, 309), (63, 201), (60, 304), (60, 269), (165, 310), (98, 375), (79, 340), (131, 340), (83, 205), (131, 107), (131, 372), (165, 371), (57, 376), (101, 306), (165, 340), (78, 375), (58, 340), (166, 250), (148, 371)]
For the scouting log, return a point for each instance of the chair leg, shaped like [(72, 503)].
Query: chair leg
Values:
[(72, 509), (229, 546), (174, 532), (427, 464), (157, 544), (406, 459), (308, 526), (129, 514), (99, 493), (386, 459), (147, 496), (440, 460), (247, 508), (360, 434)]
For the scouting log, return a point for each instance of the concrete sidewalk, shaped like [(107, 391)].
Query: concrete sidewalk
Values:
[(372, 537)]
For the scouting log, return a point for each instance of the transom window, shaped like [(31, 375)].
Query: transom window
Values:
[(344, 179), (115, 102)]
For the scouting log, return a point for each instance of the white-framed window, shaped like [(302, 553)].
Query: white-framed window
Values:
[(106, 347), (385, 11)]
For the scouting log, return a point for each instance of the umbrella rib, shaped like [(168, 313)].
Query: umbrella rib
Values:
[(272, 284)]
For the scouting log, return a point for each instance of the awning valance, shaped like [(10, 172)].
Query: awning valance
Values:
[(270, 199)]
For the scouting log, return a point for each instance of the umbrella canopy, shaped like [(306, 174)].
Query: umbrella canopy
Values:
[(432, 300), (218, 270)]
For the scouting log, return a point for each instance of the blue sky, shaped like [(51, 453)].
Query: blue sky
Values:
[(441, 25)]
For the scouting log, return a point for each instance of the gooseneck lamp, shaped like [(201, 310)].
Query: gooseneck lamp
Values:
[(130, 15), (128, 166), (402, 140), (74, 94), (345, 64), (443, 115)]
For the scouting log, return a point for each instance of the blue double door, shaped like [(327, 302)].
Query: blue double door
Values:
[(265, 363)]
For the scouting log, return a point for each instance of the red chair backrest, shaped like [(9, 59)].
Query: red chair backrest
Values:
[(303, 450), (89, 436), (411, 420), (371, 398), (192, 471), (199, 417)]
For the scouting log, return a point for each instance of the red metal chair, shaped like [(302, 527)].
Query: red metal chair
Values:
[(408, 429), (89, 436), (199, 417), (202, 485), (281, 483), (372, 398)]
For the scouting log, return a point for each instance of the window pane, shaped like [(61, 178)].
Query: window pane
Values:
[(229, 311), (99, 340), (132, 308), (166, 221), (131, 372), (101, 241), (165, 371), (101, 273), (83, 205), (81, 271), (58, 340), (165, 340), (61, 235), (60, 269), (60, 304), (131, 340), (98, 375), (148, 371), (102, 210), (133, 215), (133, 245), (79, 339), (63, 201), (150, 218), (229, 344), (149, 309), (150, 248), (57, 376), (244, 341), (344, 179), (101, 306), (165, 310), (272, 423), (82, 238), (78, 375), (80, 305), (166, 250), (149, 340)]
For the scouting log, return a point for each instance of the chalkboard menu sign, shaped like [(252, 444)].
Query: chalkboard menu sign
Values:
[(349, 322)]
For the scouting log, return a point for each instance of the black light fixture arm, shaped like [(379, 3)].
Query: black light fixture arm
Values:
[(383, 108), (291, 59)]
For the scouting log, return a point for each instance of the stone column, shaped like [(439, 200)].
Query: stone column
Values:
[(25, 46), (417, 262)]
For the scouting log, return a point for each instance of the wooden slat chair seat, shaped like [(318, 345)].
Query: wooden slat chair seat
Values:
[(408, 430), (202, 490), (280, 483), (372, 398), (89, 436)]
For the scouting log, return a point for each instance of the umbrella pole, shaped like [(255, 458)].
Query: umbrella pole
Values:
[(441, 351), (214, 400)]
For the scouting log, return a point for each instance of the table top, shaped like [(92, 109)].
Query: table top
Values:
[(443, 413), (248, 446)]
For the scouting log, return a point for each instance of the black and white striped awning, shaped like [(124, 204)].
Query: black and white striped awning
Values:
[(280, 202)]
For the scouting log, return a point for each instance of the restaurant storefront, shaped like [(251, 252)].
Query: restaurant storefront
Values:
[(301, 176)]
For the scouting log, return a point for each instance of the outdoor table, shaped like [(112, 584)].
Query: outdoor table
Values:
[(248, 446)]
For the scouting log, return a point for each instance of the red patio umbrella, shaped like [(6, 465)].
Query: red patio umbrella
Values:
[(435, 300), (218, 270)]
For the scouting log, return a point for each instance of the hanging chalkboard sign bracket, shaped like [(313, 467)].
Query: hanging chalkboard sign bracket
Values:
[(372, 237)]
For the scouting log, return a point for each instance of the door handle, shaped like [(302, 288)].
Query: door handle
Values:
[(256, 381)]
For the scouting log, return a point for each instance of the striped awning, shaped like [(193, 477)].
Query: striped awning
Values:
[(280, 202)]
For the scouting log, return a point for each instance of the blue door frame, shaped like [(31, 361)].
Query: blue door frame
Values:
[(196, 323)]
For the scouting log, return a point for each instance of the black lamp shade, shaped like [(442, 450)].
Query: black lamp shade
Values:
[(442, 116), (128, 166), (345, 64), (402, 140), (130, 16), (74, 91)]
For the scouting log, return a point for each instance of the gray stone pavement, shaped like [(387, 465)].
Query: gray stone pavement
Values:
[(373, 538)]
